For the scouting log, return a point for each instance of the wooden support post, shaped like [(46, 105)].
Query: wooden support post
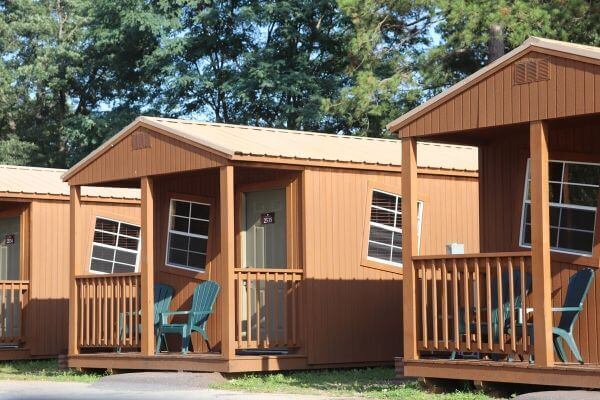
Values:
[(227, 213), (147, 266), (74, 210), (409, 245), (540, 245)]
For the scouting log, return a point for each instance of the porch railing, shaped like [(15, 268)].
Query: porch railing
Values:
[(461, 308), (13, 299), (108, 310), (267, 308)]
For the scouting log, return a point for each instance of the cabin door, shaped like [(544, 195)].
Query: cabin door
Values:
[(265, 247), (10, 244), (10, 269)]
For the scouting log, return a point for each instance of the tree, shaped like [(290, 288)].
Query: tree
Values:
[(386, 38), (464, 30), (67, 63)]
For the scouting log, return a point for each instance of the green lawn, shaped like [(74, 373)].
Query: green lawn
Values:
[(41, 370), (368, 382)]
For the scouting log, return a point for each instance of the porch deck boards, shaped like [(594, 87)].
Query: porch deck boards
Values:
[(560, 374), (195, 362)]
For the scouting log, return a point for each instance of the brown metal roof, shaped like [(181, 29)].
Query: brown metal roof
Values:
[(533, 43), (47, 181), (238, 142)]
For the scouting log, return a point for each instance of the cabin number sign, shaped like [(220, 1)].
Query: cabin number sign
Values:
[(268, 218), (9, 239)]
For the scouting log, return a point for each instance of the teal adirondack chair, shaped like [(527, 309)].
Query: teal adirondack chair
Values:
[(163, 294), (495, 311), (203, 302), (577, 290)]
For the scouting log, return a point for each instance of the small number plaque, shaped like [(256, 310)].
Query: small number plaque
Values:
[(9, 239), (268, 218)]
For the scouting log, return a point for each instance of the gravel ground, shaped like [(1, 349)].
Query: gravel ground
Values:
[(142, 386), (561, 395)]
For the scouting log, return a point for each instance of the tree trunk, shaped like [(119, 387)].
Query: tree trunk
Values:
[(496, 42)]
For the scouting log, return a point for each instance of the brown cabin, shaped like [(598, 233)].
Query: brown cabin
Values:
[(300, 230), (34, 255), (534, 114)]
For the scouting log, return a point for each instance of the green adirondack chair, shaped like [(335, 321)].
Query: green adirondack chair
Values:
[(163, 294), (579, 286), (495, 311), (203, 302)]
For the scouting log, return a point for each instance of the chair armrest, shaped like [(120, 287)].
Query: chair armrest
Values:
[(164, 316), (567, 309)]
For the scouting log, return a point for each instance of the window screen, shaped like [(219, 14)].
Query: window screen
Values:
[(188, 234), (115, 247), (385, 227), (573, 202)]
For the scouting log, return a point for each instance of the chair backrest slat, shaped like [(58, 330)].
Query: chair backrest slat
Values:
[(205, 296), (577, 290), (163, 294)]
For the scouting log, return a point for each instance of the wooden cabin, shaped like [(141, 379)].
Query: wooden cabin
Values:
[(300, 230), (34, 255), (534, 114)]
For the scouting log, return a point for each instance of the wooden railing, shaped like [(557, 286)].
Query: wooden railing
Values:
[(13, 299), (108, 310), (267, 308), (458, 303)]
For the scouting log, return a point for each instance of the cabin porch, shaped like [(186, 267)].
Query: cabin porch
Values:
[(257, 320), (490, 316)]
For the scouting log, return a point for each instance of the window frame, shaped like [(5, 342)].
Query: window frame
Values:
[(557, 249), (118, 234), (191, 200), (377, 263)]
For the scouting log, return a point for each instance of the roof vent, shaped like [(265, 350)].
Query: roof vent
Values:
[(531, 70), (140, 140)]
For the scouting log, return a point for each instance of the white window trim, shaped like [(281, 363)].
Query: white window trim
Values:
[(137, 251), (420, 205), (572, 206), (170, 231)]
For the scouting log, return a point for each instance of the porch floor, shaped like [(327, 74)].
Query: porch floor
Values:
[(560, 374), (196, 362)]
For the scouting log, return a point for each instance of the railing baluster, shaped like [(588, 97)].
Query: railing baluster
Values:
[(424, 306), (455, 299), (477, 303), (500, 310), (523, 305), (511, 294), (467, 307), (444, 281), (434, 312), (488, 296)]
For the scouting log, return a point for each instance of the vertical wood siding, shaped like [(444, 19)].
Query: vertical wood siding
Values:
[(502, 172), (164, 155), (573, 89), (354, 313), (46, 315)]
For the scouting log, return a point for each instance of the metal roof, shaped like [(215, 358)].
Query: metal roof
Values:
[(574, 49), (47, 181)]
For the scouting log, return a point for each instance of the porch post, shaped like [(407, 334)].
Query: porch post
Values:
[(227, 213), (74, 209), (147, 266), (409, 244), (540, 244)]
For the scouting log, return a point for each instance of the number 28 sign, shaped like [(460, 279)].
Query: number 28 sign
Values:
[(267, 218), (9, 239)]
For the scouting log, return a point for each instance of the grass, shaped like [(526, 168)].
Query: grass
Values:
[(376, 383), (42, 370)]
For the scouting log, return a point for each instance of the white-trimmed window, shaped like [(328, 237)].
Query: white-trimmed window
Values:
[(573, 202), (188, 234), (115, 247), (385, 228)]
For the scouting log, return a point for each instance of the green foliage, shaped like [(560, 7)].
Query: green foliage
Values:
[(42, 370), (74, 72), (464, 30), (367, 382)]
